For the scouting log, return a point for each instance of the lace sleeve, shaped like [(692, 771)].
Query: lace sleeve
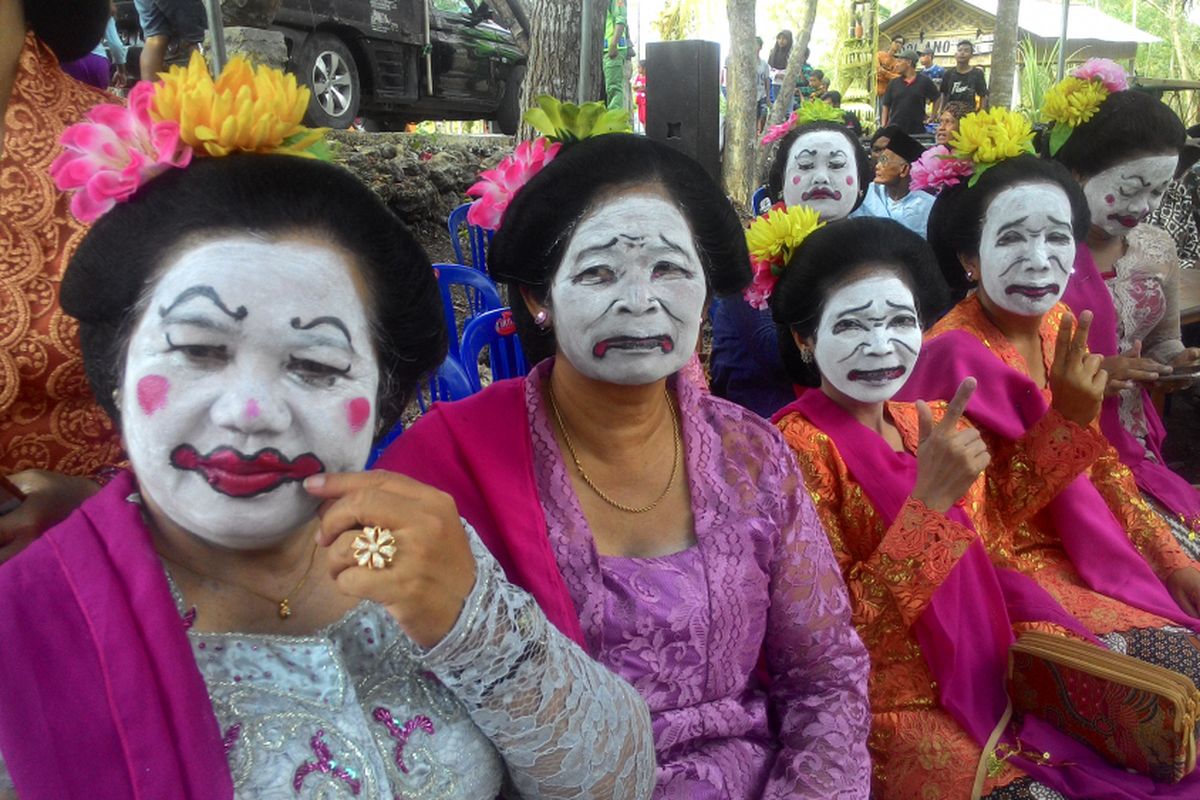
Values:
[(565, 725), (818, 665), (1027, 473), (1164, 341)]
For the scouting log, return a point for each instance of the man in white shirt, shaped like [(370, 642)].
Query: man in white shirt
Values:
[(889, 195)]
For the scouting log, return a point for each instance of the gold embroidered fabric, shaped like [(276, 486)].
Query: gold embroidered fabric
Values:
[(917, 749), (1028, 542), (48, 417)]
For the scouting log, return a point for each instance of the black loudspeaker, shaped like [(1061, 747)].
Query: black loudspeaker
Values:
[(683, 86)]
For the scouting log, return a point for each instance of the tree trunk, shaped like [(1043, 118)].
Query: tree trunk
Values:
[(1004, 54), (783, 101), (553, 57), (741, 95)]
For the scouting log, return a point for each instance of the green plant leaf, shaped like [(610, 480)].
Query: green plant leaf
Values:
[(1058, 137)]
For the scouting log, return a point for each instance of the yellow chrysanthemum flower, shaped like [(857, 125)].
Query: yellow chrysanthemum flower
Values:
[(245, 109), (1073, 101), (989, 136), (775, 235)]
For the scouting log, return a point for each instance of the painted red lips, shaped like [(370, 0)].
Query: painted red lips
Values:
[(821, 193), (664, 344), (1033, 292), (1127, 220), (236, 474), (877, 375)]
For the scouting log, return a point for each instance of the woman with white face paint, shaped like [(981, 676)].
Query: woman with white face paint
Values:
[(1127, 274), (666, 528), (1085, 538), (819, 165), (244, 613), (900, 490)]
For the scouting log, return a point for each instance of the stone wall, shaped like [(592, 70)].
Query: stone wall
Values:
[(421, 177)]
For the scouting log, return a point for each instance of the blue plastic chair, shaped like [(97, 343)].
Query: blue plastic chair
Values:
[(496, 331), (478, 239), (481, 294), (449, 382), (760, 203)]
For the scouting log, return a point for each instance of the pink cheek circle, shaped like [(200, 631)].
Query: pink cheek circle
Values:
[(152, 393), (849, 180), (795, 180), (252, 409), (1110, 199), (358, 411)]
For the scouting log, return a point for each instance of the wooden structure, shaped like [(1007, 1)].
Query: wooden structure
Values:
[(943, 23)]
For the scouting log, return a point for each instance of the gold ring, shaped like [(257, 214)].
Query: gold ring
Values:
[(374, 548)]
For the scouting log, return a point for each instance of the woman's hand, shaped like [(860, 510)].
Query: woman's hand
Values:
[(1130, 367), (50, 497), (1183, 372), (433, 569), (1184, 586), (948, 460), (1077, 377)]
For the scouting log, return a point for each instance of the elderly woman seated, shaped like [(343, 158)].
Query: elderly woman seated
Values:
[(662, 528), (252, 321)]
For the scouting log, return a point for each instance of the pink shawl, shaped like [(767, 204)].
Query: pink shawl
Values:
[(100, 692), (966, 631), (494, 487), (1086, 291)]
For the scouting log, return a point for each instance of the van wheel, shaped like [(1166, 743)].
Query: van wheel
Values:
[(508, 115), (327, 68)]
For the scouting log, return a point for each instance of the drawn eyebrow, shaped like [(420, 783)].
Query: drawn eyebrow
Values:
[(203, 291), (598, 248), (1137, 178), (900, 306), (672, 246), (1012, 224), (854, 310), (334, 321), (1057, 221)]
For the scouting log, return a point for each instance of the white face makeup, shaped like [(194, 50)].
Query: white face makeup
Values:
[(868, 338), (821, 173), (1122, 196), (628, 296), (1027, 249), (252, 368)]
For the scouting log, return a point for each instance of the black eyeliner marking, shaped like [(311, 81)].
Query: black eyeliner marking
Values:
[(856, 309), (334, 321), (211, 294)]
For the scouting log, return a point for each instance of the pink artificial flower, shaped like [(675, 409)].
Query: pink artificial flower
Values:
[(1108, 72), (497, 186), (936, 169), (776, 132), (120, 148), (761, 285)]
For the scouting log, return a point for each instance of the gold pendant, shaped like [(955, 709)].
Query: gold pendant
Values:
[(285, 611)]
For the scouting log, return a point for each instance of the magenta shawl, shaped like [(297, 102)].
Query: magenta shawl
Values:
[(495, 490), (100, 692), (1086, 291), (966, 631)]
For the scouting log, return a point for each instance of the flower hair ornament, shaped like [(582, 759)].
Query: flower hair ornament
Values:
[(1076, 98), (185, 114), (811, 111), (560, 124), (771, 239), (983, 140)]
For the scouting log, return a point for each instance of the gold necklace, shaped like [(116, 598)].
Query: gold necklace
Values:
[(574, 457), (285, 609)]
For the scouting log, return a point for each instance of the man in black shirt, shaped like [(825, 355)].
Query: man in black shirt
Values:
[(964, 83), (905, 98)]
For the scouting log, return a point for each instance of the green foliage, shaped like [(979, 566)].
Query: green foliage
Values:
[(567, 122), (676, 21), (1036, 77)]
